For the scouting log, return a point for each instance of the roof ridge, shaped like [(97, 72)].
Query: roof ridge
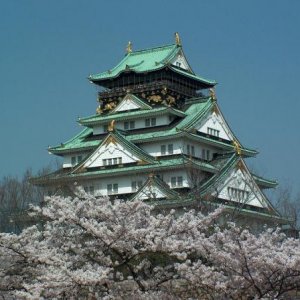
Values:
[(152, 49)]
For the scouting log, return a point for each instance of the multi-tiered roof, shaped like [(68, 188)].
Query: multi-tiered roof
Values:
[(159, 135)]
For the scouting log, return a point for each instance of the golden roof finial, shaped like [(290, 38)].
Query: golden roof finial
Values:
[(237, 147), (111, 126), (177, 39), (212, 94), (129, 47)]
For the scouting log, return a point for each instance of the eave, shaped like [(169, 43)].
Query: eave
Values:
[(135, 114), (163, 165), (264, 183)]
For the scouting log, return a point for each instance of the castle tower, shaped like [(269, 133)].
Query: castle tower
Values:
[(158, 134)]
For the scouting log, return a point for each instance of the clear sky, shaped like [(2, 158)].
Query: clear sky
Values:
[(48, 48)]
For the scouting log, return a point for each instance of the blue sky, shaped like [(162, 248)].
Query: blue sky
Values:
[(48, 48)]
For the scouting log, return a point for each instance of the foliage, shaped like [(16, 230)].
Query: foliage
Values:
[(16, 194), (96, 248)]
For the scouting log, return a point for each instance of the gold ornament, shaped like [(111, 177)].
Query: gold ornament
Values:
[(237, 147), (155, 98), (212, 94), (177, 39), (99, 110), (111, 126), (129, 47)]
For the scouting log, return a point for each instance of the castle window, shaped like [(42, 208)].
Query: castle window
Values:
[(205, 154), (213, 132), (105, 128), (179, 181), (89, 189), (111, 161), (79, 158), (163, 149), (129, 125), (73, 160), (112, 188), (176, 181), (238, 194), (170, 148), (190, 150), (173, 181), (150, 122), (135, 185)]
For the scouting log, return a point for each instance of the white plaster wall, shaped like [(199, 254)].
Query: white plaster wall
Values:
[(182, 61), (127, 104), (176, 173), (179, 147), (241, 181), (109, 151), (67, 159), (139, 123), (154, 148), (215, 121), (124, 184)]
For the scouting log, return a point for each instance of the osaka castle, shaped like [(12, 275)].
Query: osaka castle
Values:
[(158, 134)]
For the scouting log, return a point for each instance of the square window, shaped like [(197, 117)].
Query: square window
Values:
[(163, 149), (126, 125), (207, 154), (79, 158), (147, 122), (170, 148), (91, 190), (109, 189), (119, 160), (115, 161), (109, 161), (105, 128), (192, 150), (115, 188), (203, 153), (133, 186), (153, 121), (132, 124), (104, 162), (173, 181), (73, 160), (179, 181)]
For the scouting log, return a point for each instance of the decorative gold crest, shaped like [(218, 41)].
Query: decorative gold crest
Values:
[(111, 126), (237, 147), (129, 47), (212, 94), (177, 39)]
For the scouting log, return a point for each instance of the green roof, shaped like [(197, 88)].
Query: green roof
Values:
[(116, 136), (263, 182), (224, 169), (192, 115), (118, 116), (147, 60), (165, 164), (161, 185), (77, 143)]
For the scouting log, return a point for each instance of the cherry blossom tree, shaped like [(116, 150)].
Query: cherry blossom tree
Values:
[(96, 248)]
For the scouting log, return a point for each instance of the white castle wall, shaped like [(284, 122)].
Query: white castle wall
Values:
[(139, 123)]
